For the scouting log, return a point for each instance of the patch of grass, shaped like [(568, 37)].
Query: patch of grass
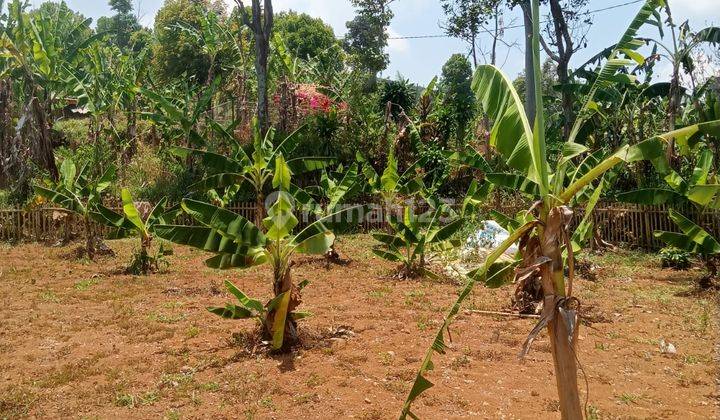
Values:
[(414, 296), (49, 296), (460, 361), (422, 322), (314, 380), (193, 331), (267, 402), (627, 398), (380, 293), (172, 415), (305, 398), (85, 284), (386, 358), (16, 402), (166, 318), (132, 401), (210, 386)]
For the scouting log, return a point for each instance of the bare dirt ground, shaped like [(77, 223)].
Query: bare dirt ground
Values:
[(79, 340)]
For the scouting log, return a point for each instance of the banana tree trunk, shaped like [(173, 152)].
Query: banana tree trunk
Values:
[(282, 284), (89, 239), (259, 209), (562, 347)]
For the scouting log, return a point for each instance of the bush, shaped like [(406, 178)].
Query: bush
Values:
[(675, 258)]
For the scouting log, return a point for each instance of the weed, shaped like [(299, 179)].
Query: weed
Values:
[(380, 293), (85, 284), (626, 398), (193, 332), (49, 296), (267, 402), (166, 319)]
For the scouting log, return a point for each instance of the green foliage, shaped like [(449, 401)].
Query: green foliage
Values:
[(367, 37), (414, 236), (458, 97), (400, 94), (120, 27), (133, 221), (675, 258), (238, 243), (178, 52), (307, 38)]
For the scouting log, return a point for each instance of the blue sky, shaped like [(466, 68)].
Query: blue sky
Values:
[(421, 59)]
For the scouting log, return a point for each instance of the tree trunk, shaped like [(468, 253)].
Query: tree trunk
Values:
[(563, 351), (89, 239), (259, 209), (672, 111), (43, 148), (261, 24), (283, 283)]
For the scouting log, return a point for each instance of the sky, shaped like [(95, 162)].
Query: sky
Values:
[(421, 59)]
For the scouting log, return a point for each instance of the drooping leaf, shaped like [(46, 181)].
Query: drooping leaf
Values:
[(228, 224)]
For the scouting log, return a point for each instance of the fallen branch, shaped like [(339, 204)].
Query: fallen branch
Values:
[(511, 314)]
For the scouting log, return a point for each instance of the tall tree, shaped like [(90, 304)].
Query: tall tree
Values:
[(467, 19), (565, 34), (307, 37), (121, 26), (456, 86), (177, 52), (260, 21), (367, 35)]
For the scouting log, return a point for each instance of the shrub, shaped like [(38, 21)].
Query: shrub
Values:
[(675, 258)]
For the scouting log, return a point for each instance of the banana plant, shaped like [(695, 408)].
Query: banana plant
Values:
[(390, 186), (321, 200), (679, 54), (545, 238), (694, 240), (701, 189), (76, 192), (255, 169), (133, 222), (238, 243), (413, 237)]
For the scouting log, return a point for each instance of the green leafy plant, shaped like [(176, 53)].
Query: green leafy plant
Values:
[(238, 243), (545, 246), (675, 258), (324, 199), (77, 193), (229, 173), (134, 222), (693, 240), (413, 236), (701, 189)]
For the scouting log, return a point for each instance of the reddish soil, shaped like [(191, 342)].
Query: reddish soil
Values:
[(80, 340)]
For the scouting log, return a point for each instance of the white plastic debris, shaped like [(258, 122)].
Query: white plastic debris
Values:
[(484, 240), (667, 347)]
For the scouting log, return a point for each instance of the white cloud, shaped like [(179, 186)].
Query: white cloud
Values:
[(705, 11), (400, 46)]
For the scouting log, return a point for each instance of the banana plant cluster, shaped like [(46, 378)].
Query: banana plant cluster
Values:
[(238, 243), (79, 193), (324, 199), (133, 222), (696, 241), (700, 189), (227, 174), (545, 245), (413, 236)]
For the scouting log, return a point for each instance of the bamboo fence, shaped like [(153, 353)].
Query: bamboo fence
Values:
[(624, 225)]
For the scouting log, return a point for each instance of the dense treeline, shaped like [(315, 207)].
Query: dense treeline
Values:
[(121, 94)]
